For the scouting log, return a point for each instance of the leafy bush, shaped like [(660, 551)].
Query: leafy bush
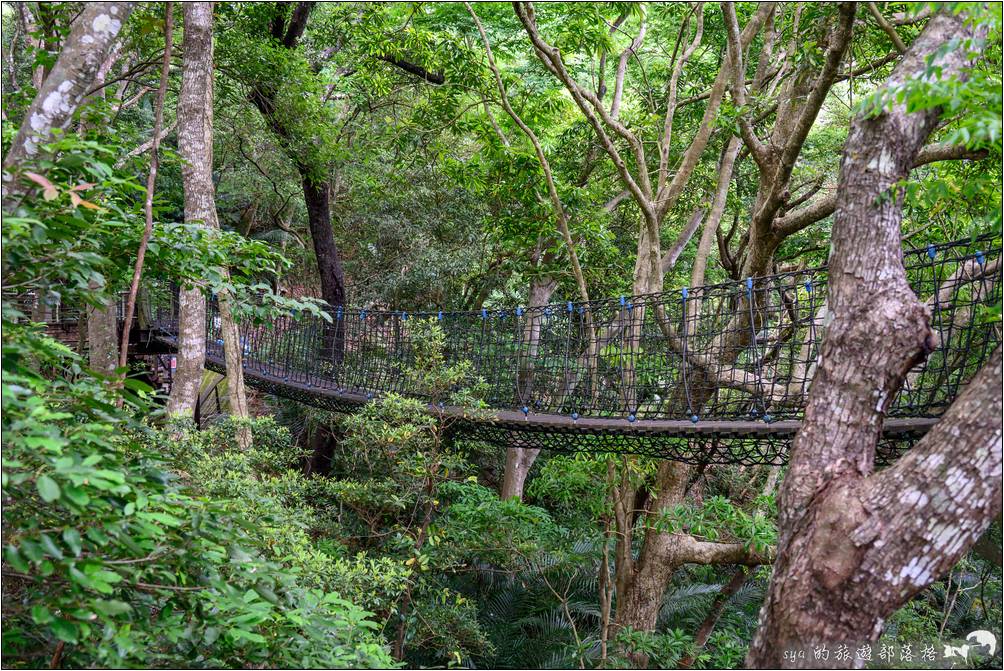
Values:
[(113, 561)]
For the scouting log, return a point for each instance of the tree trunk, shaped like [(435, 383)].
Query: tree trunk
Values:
[(102, 337), (519, 460), (855, 545), (195, 144), (312, 178), (191, 354), (91, 38), (329, 264)]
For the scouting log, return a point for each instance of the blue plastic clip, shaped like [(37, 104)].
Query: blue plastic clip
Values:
[(440, 316), (362, 314), (484, 313), (338, 313), (768, 419), (694, 419), (547, 312), (582, 309), (980, 259), (631, 417), (526, 410), (570, 306), (575, 416), (404, 316), (623, 301), (808, 287), (684, 293), (369, 396), (749, 286), (931, 252), (519, 312), (630, 306)]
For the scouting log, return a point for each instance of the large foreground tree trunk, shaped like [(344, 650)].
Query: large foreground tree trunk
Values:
[(855, 545), (91, 39), (195, 143)]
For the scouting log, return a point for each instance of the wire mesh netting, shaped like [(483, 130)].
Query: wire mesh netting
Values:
[(711, 374), (706, 374)]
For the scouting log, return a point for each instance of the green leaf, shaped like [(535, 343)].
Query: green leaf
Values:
[(15, 559), (47, 488), (110, 607), (50, 547), (31, 550), (72, 539), (41, 615), (241, 634), (210, 635), (64, 630), (76, 495)]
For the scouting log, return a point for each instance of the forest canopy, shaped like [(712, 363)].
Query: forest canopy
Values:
[(506, 335)]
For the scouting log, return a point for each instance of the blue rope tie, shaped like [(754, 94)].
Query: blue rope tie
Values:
[(686, 386)]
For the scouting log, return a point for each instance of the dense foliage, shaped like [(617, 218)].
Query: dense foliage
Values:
[(131, 538)]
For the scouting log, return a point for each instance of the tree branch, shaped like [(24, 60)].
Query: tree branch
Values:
[(821, 208), (738, 85), (437, 78), (889, 30), (840, 39), (671, 105)]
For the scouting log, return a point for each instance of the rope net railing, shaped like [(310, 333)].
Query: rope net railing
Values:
[(717, 373)]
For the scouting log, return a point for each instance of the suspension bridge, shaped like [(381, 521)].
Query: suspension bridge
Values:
[(704, 375), (711, 374)]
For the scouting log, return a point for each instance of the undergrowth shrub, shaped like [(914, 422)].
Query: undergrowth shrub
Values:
[(114, 556)]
